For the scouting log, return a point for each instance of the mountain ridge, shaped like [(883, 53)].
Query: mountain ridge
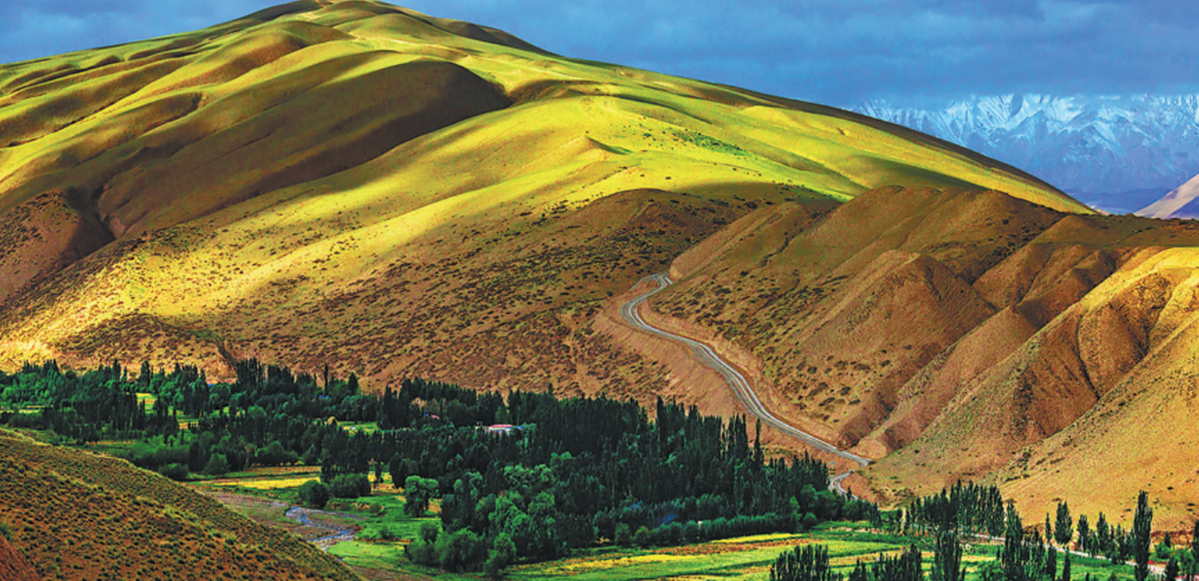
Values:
[(1092, 146)]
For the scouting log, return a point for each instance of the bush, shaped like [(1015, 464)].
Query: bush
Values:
[(623, 537), (460, 551), (275, 455), (174, 471), (421, 551), (502, 554), (350, 486), (642, 538), (27, 421), (217, 465), (417, 493), (313, 494)]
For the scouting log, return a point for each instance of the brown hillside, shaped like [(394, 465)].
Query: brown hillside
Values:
[(77, 515), (13, 566), (956, 335), (393, 194)]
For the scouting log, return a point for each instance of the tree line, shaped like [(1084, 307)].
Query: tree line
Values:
[(568, 473), (966, 510)]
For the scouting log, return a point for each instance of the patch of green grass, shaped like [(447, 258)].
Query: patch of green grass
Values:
[(384, 556)]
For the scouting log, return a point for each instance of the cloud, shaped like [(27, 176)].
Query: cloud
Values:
[(836, 51)]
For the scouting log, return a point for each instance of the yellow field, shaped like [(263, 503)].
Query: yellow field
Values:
[(267, 483)]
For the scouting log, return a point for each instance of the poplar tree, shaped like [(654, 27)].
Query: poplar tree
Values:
[(947, 561), (1013, 558), (1142, 523), (1194, 549), (1064, 527)]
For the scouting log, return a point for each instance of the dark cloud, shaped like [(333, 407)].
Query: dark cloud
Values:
[(836, 51)]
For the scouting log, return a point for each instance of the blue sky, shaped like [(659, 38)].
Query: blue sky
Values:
[(838, 52)]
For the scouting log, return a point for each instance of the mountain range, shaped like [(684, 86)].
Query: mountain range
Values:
[(364, 187), (1117, 153)]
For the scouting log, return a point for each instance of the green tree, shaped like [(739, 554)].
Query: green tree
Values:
[(217, 465), (1172, 569), (1048, 530), (314, 494), (417, 494), (1103, 536), (502, 554), (1051, 564), (350, 486), (803, 563), (1194, 549), (423, 549), (622, 537), (1142, 522), (1164, 549), (1063, 529), (459, 551), (1066, 568), (642, 538), (859, 573), (1013, 557), (1084, 533), (947, 561), (905, 567)]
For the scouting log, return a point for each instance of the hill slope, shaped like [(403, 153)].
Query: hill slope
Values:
[(966, 335), (363, 186), (80, 515), (1178, 203)]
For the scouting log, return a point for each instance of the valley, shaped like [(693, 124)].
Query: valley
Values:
[(341, 241)]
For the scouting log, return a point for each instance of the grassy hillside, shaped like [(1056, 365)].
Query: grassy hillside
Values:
[(77, 515), (394, 194), (357, 184), (954, 334)]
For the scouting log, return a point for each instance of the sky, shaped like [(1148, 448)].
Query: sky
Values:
[(837, 52)]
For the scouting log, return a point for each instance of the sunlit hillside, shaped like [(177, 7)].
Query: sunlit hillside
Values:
[(79, 515), (361, 185), (967, 335)]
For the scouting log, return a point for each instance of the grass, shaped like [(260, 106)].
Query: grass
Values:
[(87, 513), (738, 558)]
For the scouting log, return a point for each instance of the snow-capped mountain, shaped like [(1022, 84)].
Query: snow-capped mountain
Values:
[(1089, 146)]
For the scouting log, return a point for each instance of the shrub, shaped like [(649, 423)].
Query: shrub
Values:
[(417, 493), (313, 494), (217, 465), (502, 554), (460, 550), (350, 486), (623, 537), (421, 550), (642, 538), (174, 471)]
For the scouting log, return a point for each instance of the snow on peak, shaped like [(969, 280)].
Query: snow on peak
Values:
[(1080, 143)]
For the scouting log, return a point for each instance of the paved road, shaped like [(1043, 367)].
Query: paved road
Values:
[(737, 382)]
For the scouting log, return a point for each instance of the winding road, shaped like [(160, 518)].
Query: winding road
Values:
[(737, 382)]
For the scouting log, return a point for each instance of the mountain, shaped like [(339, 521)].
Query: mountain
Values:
[(1117, 153), (364, 187), (1179, 203), (965, 335), (77, 515)]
